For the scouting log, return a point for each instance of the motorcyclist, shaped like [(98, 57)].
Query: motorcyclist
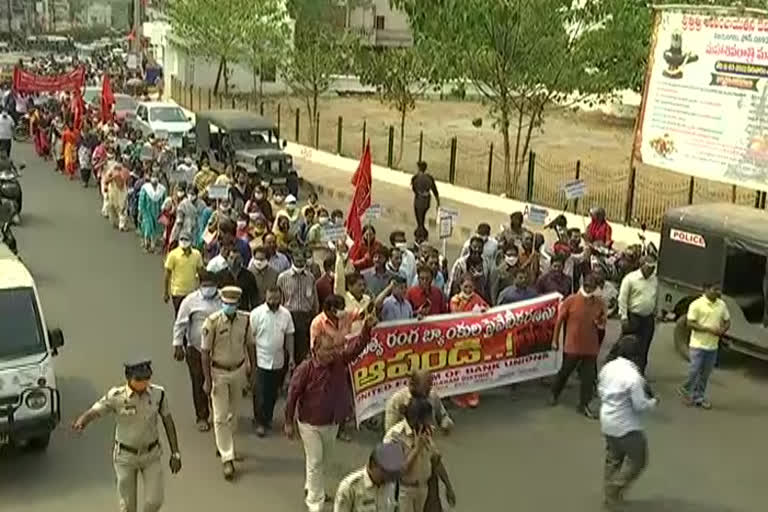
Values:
[(598, 230)]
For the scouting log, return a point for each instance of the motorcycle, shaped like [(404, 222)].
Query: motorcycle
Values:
[(10, 189), (7, 238)]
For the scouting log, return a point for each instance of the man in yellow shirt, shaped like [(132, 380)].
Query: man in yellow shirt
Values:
[(708, 319), (182, 266)]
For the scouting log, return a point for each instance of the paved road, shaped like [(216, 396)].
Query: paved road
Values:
[(512, 453)]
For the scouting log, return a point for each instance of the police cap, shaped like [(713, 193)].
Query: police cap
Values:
[(140, 369), (231, 294), (390, 457)]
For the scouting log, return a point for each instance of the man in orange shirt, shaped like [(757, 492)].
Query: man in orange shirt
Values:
[(584, 314), (331, 327)]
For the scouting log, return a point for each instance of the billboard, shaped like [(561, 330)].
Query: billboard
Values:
[(705, 102)]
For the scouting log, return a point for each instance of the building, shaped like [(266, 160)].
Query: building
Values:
[(97, 14), (380, 25)]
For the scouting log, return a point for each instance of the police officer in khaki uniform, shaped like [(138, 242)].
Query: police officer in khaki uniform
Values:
[(137, 450), (372, 488), (421, 457), (227, 358)]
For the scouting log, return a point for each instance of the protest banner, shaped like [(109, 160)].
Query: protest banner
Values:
[(465, 352), (30, 82)]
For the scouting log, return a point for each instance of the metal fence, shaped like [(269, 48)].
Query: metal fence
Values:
[(628, 196)]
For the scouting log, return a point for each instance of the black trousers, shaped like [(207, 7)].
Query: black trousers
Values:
[(176, 301), (85, 175), (643, 327), (265, 394), (587, 368), (301, 323), (199, 398), (5, 146), (420, 209)]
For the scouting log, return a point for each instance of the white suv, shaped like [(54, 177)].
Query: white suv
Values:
[(163, 118)]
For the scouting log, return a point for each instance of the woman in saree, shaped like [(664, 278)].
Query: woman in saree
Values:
[(151, 198), (69, 138)]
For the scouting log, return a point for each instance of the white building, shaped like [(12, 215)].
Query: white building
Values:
[(379, 24), (98, 14)]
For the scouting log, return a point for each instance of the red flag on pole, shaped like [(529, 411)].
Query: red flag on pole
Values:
[(361, 200), (107, 99)]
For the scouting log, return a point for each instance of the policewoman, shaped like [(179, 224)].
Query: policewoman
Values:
[(137, 405)]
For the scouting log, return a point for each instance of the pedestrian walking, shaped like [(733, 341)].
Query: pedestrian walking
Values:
[(235, 274), (637, 305), (188, 339), (272, 331), (708, 319), (297, 285), (151, 198), (266, 276), (227, 358), (584, 314), (414, 433), (624, 395), (423, 186), (7, 125), (372, 487), (182, 266), (137, 406), (313, 400)]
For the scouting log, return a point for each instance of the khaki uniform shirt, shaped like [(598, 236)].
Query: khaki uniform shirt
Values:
[(421, 469), (358, 493), (226, 339), (136, 414), (395, 404)]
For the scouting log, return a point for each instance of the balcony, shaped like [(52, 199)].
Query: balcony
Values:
[(384, 37)]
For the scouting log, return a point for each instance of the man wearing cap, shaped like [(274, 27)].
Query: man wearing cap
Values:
[(137, 451), (182, 266), (637, 305), (372, 488), (194, 310), (227, 357)]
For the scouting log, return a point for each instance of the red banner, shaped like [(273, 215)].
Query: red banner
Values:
[(465, 352), (30, 82)]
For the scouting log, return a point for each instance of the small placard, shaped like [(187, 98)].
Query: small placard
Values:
[(175, 140), (447, 211), (373, 212), (445, 226), (218, 191), (537, 216), (334, 234), (575, 189)]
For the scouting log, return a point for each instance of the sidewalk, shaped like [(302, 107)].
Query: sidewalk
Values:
[(331, 174)]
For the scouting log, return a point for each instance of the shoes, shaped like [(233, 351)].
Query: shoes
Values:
[(684, 396), (588, 412), (261, 431), (704, 404), (229, 471), (203, 425)]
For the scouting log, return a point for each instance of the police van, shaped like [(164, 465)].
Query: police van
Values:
[(30, 404)]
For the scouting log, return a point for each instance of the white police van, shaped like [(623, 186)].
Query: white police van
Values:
[(30, 403)]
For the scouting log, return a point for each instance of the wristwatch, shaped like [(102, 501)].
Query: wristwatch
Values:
[(176, 455)]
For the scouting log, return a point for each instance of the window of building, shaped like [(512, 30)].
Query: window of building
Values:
[(379, 22)]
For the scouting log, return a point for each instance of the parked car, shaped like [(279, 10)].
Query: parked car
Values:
[(163, 118), (125, 105)]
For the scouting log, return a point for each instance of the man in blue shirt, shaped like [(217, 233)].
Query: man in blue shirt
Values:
[(517, 291), (396, 307)]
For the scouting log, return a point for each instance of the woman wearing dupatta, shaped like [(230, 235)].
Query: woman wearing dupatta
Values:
[(467, 301), (69, 139), (151, 198)]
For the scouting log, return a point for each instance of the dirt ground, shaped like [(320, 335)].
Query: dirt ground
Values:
[(596, 144)]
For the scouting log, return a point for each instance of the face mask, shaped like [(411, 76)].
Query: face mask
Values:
[(208, 292), (401, 245), (139, 386), (260, 264), (466, 295), (154, 181), (511, 260), (206, 167), (258, 196), (298, 268), (229, 309), (585, 294), (241, 224), (185, 244), (323, 220), (290, 207), (192, 197), (278, 199), (180, 195)]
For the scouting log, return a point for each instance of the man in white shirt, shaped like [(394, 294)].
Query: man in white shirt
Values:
[(187, 340), (708, 319), (7, 124), (490, 245), (408, 263), (624, 395), (637, 305), (272, 330)]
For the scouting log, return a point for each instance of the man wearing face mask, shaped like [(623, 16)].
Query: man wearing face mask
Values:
[(187, 213), (182, 266), (237, 275), (227, 358), (187, 340), (585, 314), (408, 264), (300, 298), (238, 195), (272, 330), (137, 405), (205, 177), (260, 204), (277, 260), (637, 306), (475, 265), (504, 275)]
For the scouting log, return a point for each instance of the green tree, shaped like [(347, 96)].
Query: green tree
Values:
[(522, 56), (322, 47), (399, 76)]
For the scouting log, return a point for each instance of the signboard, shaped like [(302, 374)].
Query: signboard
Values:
[(464, 352), (372, 213), (705, 109), (218, 191), (685, 237), (448, 211), (575, 189), (537, 216), (175, 140), (445, 227), (334, 234)]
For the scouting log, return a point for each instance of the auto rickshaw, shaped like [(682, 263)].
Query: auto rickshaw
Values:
[(249, 141), (725, 244)]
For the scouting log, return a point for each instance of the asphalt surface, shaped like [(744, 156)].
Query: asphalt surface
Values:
[(514, 452)]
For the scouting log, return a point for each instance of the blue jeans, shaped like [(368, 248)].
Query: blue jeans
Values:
[(699, 370)]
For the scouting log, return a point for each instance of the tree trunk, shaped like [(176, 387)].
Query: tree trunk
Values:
[(226, 77), (218, 77), (505, 136), (261, 81), (402, 138), (518, 157), (527, 142), (254, 90)]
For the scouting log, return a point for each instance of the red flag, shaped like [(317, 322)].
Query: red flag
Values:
[(361, 200), (107, 99), (78, 109)]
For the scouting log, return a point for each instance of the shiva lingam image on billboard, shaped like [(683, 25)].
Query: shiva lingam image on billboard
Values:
[(676, 58)]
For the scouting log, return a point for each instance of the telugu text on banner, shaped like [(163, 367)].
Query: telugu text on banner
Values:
[(465, 352), (30, 82), (705, 111)]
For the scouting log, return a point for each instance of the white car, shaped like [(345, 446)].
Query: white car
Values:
[(163, 119)]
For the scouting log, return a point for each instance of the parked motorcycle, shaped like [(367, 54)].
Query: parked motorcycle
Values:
[(10, 189)]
